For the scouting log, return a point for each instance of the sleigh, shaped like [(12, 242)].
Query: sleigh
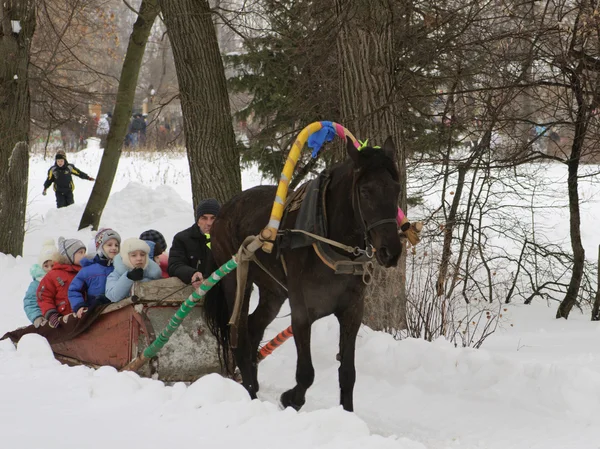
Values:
[(116, 334)]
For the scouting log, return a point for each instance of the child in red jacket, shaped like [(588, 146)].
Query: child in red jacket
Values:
[(52, 293)]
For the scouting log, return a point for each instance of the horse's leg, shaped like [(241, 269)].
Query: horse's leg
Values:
[(349, 319), (305, 373), (268, 307), (243, 353)]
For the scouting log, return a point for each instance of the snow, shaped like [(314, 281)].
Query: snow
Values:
[(534, 384)]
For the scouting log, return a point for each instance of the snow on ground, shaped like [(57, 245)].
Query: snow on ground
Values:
[(535, 383)]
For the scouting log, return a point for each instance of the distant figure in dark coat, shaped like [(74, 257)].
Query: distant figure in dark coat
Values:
[(61, 175)]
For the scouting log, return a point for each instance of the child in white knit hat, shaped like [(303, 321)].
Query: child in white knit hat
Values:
[(132, 264), (52, 293), (48, 256)]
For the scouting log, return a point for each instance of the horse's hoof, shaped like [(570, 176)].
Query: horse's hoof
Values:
[(287, 400)]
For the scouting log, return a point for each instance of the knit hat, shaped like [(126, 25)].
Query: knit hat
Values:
[(103, 236), (60, 154), (68, 248), (156, 237), (49, 252), (209, 206), (131, 245)]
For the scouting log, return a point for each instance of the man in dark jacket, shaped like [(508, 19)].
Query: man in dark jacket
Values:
[(60, 174), (190, 257)]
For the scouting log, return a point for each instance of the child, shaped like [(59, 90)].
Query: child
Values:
[(60, 174), (52, 293), (132, 264), (88, 288), (46, 259), (160, 247)]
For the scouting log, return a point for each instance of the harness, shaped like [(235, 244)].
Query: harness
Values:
[(311, 229)]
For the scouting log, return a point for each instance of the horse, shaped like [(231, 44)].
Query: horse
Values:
[(361, 201)]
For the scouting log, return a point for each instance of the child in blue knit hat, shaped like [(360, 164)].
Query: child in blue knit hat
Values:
[(88, 288)]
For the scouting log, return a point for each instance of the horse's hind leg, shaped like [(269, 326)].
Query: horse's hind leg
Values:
[(268, 307), (349, 320), (305, 373)]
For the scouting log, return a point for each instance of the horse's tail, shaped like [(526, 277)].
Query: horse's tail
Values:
[(216, 314)]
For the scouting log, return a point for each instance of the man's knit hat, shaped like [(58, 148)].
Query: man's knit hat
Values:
[(103, 236), (156, 237), (68, 248), (131, 245), (209, 206), (49, 252)]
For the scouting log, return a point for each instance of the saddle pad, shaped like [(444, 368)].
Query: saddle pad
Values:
[(311, 216)]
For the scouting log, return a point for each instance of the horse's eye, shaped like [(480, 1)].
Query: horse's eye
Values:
[(365, 191)]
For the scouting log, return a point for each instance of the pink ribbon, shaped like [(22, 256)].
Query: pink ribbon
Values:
[(400, 216)]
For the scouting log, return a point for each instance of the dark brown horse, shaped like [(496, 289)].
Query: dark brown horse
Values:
[(361, 202)]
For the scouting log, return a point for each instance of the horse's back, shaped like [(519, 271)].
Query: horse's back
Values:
[(244, 215)]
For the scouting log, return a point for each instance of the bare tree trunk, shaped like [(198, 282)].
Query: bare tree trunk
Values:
[(17, 25), (369, 109), (596, 308), (574, 213), (13, 201), (207, 122), (449, 230), (121, 115)]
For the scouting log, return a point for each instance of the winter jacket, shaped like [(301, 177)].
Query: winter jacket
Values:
[(89, 286), (52, 293), (163, 259), (189, 254), (30, 304), (61, 177), (163, 262), (103, 126), (118, 285), (137, 125)]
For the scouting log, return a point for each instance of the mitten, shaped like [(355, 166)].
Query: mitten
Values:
[(44, 192), (54, 320), (137, 274), (38, 321)]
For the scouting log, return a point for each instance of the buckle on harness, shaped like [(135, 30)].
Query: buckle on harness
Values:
[(369, 251)]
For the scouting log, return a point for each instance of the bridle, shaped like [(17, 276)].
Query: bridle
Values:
[(367, 228)]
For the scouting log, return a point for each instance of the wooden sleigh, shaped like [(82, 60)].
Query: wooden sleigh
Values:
[(124, 329)]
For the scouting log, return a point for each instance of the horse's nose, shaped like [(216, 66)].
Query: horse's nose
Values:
[(386, 258)]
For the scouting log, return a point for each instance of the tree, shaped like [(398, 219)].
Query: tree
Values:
[(289, 73), (13, 201), (210, 140), (122, 112), (371, 110), (17, 25)]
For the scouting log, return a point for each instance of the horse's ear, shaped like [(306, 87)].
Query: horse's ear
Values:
[(389, 148), (352, 150)]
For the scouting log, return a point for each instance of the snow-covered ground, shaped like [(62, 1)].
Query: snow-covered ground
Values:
[(535, 383)]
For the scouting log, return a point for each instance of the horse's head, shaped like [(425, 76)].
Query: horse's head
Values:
[(375, 198)]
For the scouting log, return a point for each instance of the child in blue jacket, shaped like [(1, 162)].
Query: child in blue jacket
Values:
[(132, 264), (46, 259), (88, 288)]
